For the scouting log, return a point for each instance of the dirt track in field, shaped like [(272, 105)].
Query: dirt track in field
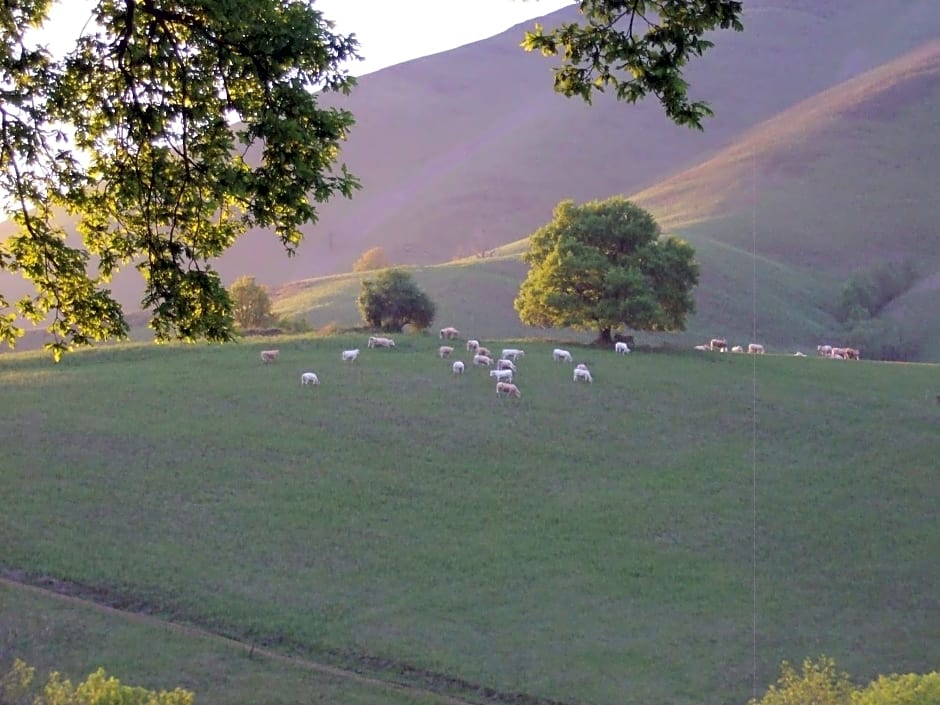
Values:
[(421, 683)]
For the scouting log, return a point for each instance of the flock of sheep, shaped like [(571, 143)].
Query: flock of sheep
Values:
[(504, 366), (721, 345)]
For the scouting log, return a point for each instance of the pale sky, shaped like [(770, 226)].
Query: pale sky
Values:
[(389, 31)]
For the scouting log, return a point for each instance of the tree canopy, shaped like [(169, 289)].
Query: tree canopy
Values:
[(172, 127), (602, 265), (143, 131), (392, 300), (636, 48), (251, 304)]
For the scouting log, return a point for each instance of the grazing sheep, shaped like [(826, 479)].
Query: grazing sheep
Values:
[(584, 375), (309, 378), (737, 349), (458, 367), (799, 354), (483, 351), (512, 354), (501, 375), (718, 344), (559, 355), (505, 364), (621, 348), (824, 350), (350, 355), (444, 351), (449, 333), (852, 354), (702, 347), (837, 353), (510, 389), (472, 345), (377, 342), (755, 349), (482, 360), (269, 356), (580, 366)]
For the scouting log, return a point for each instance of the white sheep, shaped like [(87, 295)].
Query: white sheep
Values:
[(755, 349), (444, 351), (559, 355), (702, 347), (458, 367), (483, 351), (621, 348), (269, 356), (502, 375), (505, 364), (824, 350), (472, 345), (510, 389), (482, 360), (737, 349), (377, 342), (580, 366), (350, 355), (584, 375), (512, 354), (449, 332), (309, 378), (718, 344)]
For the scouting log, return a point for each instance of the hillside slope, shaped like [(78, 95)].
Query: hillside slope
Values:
[(836, 184), (470, 148)]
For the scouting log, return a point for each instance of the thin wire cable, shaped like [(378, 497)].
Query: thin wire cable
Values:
[(754, 429)]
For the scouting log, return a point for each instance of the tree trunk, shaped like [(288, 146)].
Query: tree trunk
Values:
[(604, 337)]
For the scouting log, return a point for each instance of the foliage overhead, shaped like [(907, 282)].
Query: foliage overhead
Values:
[(636, 48), (251, 304), (602, 265), (373, 258), (392, 300), (143, 132)]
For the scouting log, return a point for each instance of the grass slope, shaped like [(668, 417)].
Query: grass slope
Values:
[(51, 633), (590, 544)]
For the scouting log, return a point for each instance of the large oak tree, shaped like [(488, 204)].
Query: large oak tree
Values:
[(173, 126), (602, 265)]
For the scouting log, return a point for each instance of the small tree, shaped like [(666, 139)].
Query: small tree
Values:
[(392, 300), (373, 258), (251, 305), (603, 265), (819, 683)]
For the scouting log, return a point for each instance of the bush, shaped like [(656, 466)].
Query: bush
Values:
[(373, 258), (251, 305), (392, 300), (818, 683), (98, 689), (909, 689), (866, 294)]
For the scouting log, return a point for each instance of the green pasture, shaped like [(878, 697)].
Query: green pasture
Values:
[(586, 543)]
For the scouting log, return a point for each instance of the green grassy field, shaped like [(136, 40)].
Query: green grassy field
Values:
[(587, 543)]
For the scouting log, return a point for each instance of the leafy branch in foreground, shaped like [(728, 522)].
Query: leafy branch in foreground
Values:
[(636, 48), (142, 132)]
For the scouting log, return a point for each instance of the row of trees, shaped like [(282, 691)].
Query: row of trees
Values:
[(140, 132), (595, 267)]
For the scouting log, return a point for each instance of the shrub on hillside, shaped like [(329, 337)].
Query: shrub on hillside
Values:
[(866, 294), (373, 258), (251, 304), (908, 689), (392, 300)]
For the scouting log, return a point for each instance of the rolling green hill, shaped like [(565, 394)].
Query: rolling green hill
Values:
[(605, 543)]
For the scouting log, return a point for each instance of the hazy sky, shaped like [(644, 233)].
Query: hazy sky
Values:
[(389, 31)]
